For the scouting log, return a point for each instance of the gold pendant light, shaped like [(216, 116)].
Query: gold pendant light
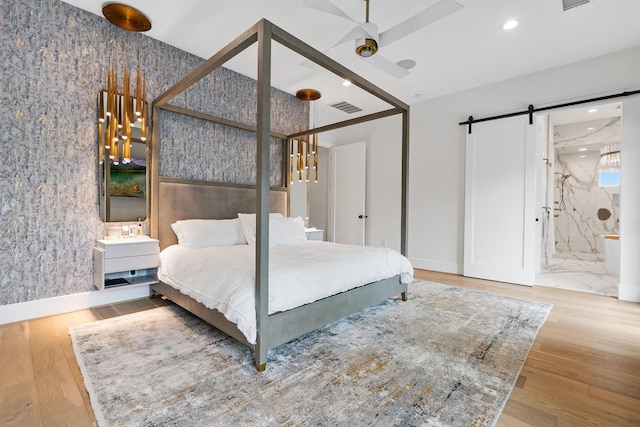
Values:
[(118, 114), (126, 17), (307, 147)]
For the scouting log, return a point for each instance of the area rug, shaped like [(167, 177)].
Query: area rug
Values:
[(446, 357)]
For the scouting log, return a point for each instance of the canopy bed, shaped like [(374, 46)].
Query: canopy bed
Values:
[(175, 200)]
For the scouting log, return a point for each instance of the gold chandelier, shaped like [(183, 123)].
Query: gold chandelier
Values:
[(306, 155), (306, 158), (120, 113)]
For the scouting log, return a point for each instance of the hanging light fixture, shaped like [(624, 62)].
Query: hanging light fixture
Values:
[(118, 114), (126, 17), (307, 146), (610, 156)]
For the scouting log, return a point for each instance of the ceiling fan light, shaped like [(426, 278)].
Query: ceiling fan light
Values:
[(366, 47)]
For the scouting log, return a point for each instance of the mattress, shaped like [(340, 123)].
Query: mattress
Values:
[(223, 278)]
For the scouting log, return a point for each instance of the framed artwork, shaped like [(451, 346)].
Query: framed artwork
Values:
[(129, 180)]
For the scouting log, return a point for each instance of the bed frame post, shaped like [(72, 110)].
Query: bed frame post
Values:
[(262, 197), (154, 172), (404, 207), (405, 182)]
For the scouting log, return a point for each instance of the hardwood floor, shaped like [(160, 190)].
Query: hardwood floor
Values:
[(583, 369), (40, 381)]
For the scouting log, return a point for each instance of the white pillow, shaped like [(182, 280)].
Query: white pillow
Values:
[(248, 223), (205, 233), (286, 231)]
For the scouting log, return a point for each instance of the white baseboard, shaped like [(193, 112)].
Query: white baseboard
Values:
[(443, 267), (63, 304)]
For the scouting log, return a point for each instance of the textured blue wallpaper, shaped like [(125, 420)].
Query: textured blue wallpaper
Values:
[(197, 149), (53, 61)]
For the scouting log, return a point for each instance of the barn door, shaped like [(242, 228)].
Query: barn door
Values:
[(500, 201)]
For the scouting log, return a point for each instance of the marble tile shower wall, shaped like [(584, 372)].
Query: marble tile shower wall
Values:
[(53, 61), (578, 198)]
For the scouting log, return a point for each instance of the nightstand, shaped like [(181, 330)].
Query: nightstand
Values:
[(314, 234), (125, 261)]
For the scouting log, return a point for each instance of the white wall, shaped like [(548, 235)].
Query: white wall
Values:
[(437, 144), (436, 170), (384, 185), (297, 190), (319, 193)]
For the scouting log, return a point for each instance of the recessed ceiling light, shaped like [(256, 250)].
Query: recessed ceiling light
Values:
[(593, 110), (590, 128), (511, 24), (582, 149), (346, 83)]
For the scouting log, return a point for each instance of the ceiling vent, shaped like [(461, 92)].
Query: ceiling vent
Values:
[(569, 4), (346, 107)]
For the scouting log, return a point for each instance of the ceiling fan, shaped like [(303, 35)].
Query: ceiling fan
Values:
[(367, 38)]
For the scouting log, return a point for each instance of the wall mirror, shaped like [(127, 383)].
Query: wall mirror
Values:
[(122, 158)]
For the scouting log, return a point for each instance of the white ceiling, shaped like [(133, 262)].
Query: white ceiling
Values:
[(466, 49), (586, 113)]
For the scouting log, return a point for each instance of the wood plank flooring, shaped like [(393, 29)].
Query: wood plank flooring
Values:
[(583, 369), (40, 381)]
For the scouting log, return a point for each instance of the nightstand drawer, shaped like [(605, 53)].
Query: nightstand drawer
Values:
[(126, 261), (129, 249), (112, 265)]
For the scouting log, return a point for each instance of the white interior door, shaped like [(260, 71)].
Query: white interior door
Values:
[(499, 235), (629, 288), (347, 215)]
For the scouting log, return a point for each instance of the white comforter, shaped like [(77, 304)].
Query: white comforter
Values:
[(223, 277)]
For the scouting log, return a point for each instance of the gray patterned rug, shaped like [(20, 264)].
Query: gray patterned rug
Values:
[(447, 357)]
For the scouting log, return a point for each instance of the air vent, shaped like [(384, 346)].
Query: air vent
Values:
[(569, 4), (346, 107)]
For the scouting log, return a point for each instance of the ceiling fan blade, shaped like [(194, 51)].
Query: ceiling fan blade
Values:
[(327, 7), (358, 32), (369, 30), (351, 36), (428, 16), (386, 65)]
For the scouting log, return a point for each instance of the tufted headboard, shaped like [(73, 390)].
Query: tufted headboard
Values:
[(184, 199)]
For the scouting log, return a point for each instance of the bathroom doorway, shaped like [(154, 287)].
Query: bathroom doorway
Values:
[(579, 192)]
